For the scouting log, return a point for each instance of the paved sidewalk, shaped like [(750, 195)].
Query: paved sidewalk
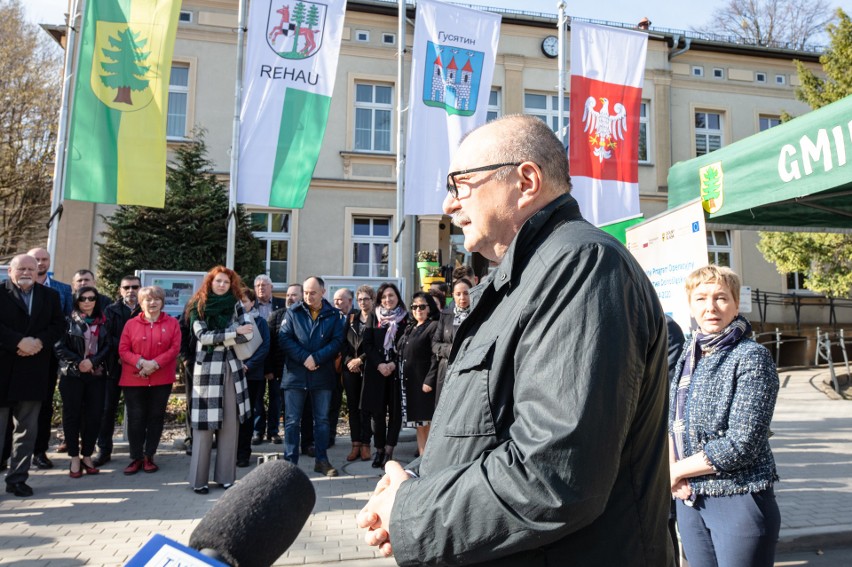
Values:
[(105, 519)]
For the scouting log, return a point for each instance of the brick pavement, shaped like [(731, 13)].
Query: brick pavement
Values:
[(105, 519)]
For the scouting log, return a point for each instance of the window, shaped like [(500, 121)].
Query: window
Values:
[(644, 145), (708, 132), (718, 73), (796, 283), (494, 105), (373, 114), (697, 71), (178, 100), (371, 242), (389, 38), (273, 231), (760, 77), (546, 107), (185, 17), (780, 80), (362, 35), (767, 122), (719, 247)]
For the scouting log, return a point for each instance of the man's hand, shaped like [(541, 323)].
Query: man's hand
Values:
[(29, 346), (310, 364), (268, 376), (375, 516), (427, 388), (85, 365), (354, 365), (386, 368)]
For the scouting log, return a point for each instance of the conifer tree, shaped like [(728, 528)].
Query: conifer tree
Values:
[(188, 234)]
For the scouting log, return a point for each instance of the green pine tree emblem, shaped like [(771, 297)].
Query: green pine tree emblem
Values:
[(299, 19), (125, 69), (712, 186)]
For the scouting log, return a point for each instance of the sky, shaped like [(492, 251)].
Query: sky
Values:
[(676, 14)]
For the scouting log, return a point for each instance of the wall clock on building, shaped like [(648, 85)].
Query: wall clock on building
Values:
[(550, 46)]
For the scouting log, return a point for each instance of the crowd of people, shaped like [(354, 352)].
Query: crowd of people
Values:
[(304, 352)]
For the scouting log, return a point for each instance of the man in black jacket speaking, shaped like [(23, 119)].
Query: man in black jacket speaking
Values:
[(548, 446)]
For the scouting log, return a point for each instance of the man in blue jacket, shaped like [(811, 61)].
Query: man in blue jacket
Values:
[(310, 336)]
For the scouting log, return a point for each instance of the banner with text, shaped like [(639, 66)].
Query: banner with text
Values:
[(607, 72), (291, 62), (452, 67), (669, 247)]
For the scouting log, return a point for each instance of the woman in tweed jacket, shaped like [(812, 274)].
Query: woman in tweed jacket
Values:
[(722, 399), (220, 398)]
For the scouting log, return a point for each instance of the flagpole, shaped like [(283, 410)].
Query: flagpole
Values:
[(560, 7), (400, 156), (235, 140), (62, 134)]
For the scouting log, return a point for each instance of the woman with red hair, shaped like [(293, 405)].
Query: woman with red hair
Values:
[(220, 398)]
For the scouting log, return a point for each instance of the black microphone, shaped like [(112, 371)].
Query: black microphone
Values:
[(254, 522)]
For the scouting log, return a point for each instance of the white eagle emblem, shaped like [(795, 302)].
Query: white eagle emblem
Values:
[(606, 127)]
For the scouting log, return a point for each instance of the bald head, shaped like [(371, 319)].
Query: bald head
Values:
[(517, 138), (42, 258)]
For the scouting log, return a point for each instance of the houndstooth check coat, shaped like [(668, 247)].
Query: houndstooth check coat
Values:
[(208, 374)]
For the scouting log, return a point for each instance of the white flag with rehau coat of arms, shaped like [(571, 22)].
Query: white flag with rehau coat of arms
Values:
[(453, 64), (291, 61)]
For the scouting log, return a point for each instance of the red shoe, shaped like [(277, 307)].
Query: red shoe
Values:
[(134, 467), (73, 474), (88, 469), (149, 466)]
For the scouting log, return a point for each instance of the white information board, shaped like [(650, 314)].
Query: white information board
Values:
[(668, 247)]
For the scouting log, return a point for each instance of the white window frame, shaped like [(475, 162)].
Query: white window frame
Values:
[(268, 236), (780, 80), (714, 249), (697, 71), (707, 132), (388, 38), (550, 111), (349, 239), (646, 121), (495, 110), (362, 36), (769, 118), (760, 77), (184, 13), (190, 65), (373, 107)]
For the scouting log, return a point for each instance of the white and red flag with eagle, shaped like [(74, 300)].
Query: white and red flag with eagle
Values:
[(607, 71)]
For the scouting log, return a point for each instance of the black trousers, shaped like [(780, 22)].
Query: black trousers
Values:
[(82, 408), (45, 414), (359, 427), (112, 398), (146, 413), (255, 388)]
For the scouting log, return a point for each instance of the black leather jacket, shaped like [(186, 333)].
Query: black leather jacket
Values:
[(548, 445), (71, 347)]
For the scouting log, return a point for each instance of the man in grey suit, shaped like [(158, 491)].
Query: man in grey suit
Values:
[(30, 323)]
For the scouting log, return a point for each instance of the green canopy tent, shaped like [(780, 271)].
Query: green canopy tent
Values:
[(793, 177)]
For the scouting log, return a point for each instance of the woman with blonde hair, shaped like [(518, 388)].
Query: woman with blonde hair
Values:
[(148, 350), (722, 398), (220, 400)]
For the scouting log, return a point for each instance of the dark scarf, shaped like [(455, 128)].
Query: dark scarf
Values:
[(218, 312), (706, 345)]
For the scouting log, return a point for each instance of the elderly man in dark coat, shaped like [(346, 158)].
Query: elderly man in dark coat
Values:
[(548, 445), (30, 323)]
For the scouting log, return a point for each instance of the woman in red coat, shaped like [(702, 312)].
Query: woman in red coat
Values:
[(148, 349)]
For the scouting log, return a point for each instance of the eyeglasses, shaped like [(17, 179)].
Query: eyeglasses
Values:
[(452, 186), (362, 299), (89, 298), (419, 307), (129, 287)]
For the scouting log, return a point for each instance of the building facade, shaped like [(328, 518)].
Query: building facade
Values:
[(698, 95)]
